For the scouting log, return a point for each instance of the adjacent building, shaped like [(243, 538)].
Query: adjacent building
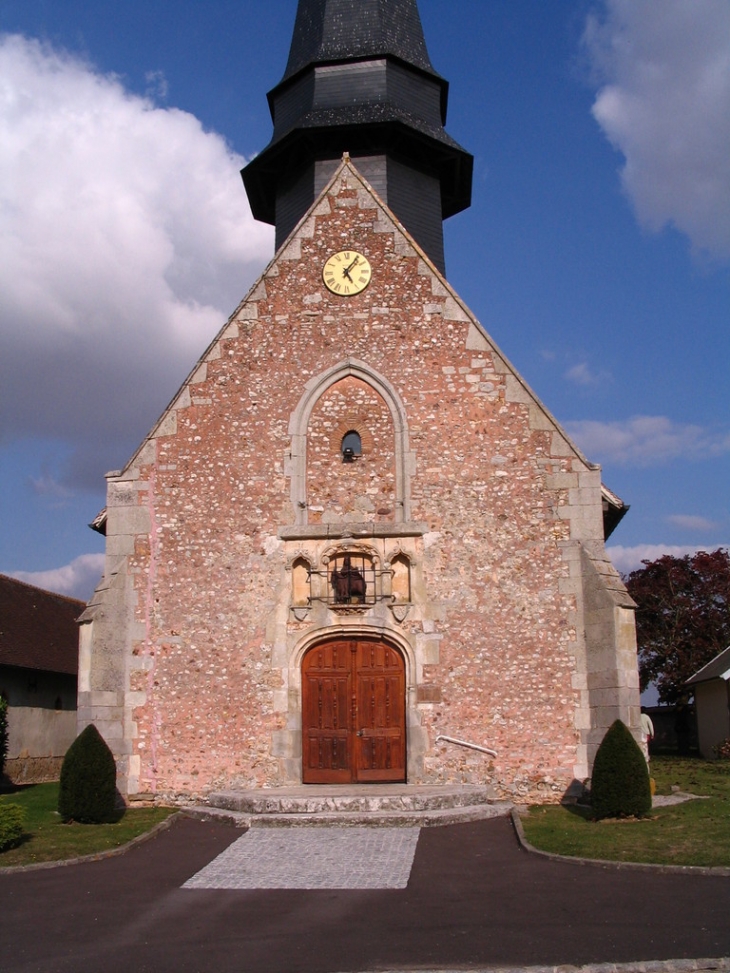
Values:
[(38, 670)]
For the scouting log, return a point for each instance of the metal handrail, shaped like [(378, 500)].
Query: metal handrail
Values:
[(463, 743)]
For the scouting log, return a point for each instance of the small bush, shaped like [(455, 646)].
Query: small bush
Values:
[(722, 750), (3, 732), (12, 819), (620, 785), (87, 791)]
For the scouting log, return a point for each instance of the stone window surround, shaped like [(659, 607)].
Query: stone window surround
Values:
[(296, 461)]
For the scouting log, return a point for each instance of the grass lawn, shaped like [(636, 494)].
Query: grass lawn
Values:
[(694, 833), (48, 839)]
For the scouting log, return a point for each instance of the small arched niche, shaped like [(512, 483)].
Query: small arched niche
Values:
[(401, 579), (300, 583)]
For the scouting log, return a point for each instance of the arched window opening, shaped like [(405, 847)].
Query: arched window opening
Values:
[(401, 583), (351, 447)]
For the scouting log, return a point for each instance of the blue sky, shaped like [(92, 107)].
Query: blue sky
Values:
[(596, 251)]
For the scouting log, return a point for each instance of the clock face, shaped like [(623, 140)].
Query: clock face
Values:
[(346, 273)]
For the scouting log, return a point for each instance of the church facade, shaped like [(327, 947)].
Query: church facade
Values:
[(356, 548)]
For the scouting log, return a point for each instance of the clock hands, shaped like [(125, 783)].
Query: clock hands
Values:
[(346, 270)]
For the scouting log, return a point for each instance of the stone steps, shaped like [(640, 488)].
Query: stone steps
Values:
[(382, 805)]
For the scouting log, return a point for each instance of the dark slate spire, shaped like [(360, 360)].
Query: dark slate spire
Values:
[(340, 30), (359, 80)]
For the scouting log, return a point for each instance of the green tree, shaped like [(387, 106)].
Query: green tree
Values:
[(87, 791), (620, 786), (682, 617)]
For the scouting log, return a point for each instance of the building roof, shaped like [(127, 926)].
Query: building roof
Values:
[(717, 668), (614, 510), (38, 628), (327, 31)]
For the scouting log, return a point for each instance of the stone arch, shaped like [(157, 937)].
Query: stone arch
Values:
[(354, 424), (299, 422), (310, 639), (352, 546), (290, 743)]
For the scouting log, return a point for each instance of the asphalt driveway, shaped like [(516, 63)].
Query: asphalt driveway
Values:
[(474, 899)]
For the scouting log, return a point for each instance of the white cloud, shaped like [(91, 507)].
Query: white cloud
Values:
[(583, 374), (647, 440), (157, 86), (692, 522), (663, 68), (628, 559), (126, 240), (46, 485), (77, 579)]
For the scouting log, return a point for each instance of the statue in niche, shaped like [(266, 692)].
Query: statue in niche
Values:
[(348, 583)]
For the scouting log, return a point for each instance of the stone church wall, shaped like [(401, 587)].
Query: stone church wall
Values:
[(480, 521)]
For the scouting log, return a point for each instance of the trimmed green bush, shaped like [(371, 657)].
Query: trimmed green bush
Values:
[(620, 786), (87, 791), (3, 732), (12, 819)]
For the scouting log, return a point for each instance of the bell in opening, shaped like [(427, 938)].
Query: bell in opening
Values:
[(351, 446)]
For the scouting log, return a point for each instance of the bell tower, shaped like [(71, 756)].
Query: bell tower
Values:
[(359, 80)]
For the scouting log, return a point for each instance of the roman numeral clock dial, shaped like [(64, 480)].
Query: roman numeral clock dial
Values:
[(346, 273)]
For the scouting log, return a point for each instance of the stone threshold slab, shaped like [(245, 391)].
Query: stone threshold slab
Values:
[(365, 798)]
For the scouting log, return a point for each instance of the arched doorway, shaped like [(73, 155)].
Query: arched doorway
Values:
[(353, 712)]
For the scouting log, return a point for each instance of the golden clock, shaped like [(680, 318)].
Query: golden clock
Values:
[(346, 273)]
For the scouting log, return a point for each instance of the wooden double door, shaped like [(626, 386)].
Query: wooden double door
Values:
[(353, 713)]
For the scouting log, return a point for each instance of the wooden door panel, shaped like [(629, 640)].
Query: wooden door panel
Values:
[(380, 742), (353, 713), (326, 704)]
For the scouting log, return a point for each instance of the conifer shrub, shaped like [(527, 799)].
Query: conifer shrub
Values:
[(620, 786), (87, 791), (12, 819)]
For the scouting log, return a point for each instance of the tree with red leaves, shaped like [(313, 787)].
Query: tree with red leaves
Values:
[(682, 617)]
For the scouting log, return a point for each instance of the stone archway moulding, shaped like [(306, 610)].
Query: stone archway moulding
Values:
[(299, 423), (396, 639)]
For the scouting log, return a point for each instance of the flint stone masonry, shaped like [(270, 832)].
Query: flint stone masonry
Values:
[(516, 634)]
